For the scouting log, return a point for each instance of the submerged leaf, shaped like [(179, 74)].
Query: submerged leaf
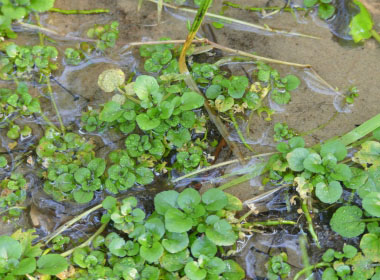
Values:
[(361, 24)]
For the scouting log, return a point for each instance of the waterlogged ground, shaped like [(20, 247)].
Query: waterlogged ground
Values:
[(338, 62)]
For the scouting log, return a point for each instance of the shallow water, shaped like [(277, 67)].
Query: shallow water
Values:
[(313, 104)]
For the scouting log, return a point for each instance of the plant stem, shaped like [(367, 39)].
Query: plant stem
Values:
[(259, 169), (309, 268), (260, 9), (305, 210), (370, 220), (40, 35), (322, 126), (71, 222), (228, 19), (48, 121), (11, 208), (87, 242), (274, 223), (241, 136), (55, 104), (79, 12), (214, 166), (375, 35), (361, 131)]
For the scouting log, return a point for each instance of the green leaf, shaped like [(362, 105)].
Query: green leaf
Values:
[(372, 184), (3, 162), (223, 103), (221, 233), (150, 273), (156, 227), (176, 261), (179, 137), (238, 86), (358, 179), (82, 175), (341, 172), (233, 271), (328, 256), (147, 123), (214, 199), (297, 142), (175, 242), (25, 266), (310, 3), (191, 100), (292, 82), (296, 158), (371, 203), (194, 272), (234, 203), (328, 193), (370, 245), (368, 154), (313, 163), (111, 79), (349, 251), (325, 11), (153, 253), (203, 246), (51, 264), (109, 202), (189, 198), (145, 86), (347, 221), (177, 221), (144, 175), (361, 24), (281, 97), (336, 148), (41, 5), (97, 166), (213, 91), (111, 112), (83, 196), (165, 201), (215, 266), (65, 182), (117, 247), (9, 248)]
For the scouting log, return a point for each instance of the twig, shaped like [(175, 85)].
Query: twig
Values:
[(241, 136), (228, 19), (70, 223), (79, 12), (52, 99), (310, 268), (310, 227), (218, 165), (87, 242), (261, 9)]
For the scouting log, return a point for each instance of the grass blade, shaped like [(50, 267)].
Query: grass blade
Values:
[(159, 9)]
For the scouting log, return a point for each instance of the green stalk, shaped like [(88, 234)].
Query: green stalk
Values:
[(55, 104), (71, 222), (274, 223), (361, 131), (259, 169), (87, 242), (79, 12), (11, 208), (232, 117), (304, 255), (310, 268), (310, 227), (375, 35), (48, 121), (260, 9)]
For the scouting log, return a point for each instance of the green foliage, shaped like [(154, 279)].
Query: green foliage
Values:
[(72, 172), (22, 61), (361, 24), (282, 132), (174, 241), (17, 10), (59, 242), (351, 264), (106, 35), (13, 190), (73, 56), (326, 8), (277, 266), (19, 257)]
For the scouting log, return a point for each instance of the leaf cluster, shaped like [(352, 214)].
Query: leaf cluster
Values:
[(13, 193), (180, 238), (19, 257), (352, 264), (12, 10), (326, 9), (277, 266)]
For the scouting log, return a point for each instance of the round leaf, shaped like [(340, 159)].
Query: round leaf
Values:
[(328, 193), (214, 199), (175, 242), (191, 100), (347, 221), (177, 221), (111, 79), (9, 248), (51, 264), (165, 201), (296, 158), (189, 198), (371, 203)]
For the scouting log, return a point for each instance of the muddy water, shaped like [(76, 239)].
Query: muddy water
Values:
[(338, 62)]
